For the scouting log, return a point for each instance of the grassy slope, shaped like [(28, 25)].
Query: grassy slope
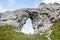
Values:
[(7, 33), (56, 30)]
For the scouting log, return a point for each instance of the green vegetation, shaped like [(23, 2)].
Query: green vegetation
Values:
[(56, 30), (7, 33)]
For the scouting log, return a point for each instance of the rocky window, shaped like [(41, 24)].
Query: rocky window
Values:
[(27, 28)]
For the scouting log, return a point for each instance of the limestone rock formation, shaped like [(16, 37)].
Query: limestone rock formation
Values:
[(42, 17)]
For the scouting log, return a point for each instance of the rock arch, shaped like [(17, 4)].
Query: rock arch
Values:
[(41, 17)]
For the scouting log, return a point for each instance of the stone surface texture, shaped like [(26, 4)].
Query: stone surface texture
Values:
[(42, 17)]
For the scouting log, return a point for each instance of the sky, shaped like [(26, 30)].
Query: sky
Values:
[(17, 4), (9, 5)]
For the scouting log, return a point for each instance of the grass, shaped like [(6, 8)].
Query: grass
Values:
[(7, 33), (56, 30)]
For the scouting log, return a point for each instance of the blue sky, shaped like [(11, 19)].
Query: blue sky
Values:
[(19, 4)]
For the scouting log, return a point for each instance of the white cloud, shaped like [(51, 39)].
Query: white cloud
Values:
[(11, 1), (2, 9), (51, 1)]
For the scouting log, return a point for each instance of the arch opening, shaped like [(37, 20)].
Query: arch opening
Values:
[(27, 28)]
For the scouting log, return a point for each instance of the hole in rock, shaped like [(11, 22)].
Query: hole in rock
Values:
[(27, 28)]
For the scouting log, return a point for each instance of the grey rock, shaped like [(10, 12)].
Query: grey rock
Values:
[(42, 17)]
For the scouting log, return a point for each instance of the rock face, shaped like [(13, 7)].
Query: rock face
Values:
[(42, 17)]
